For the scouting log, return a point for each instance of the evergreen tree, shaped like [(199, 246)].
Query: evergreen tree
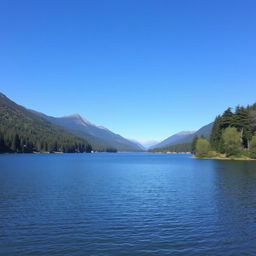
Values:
[(243, 124), (227, 119), (215, 139), (252, 118), (88, 148), (193, 145), (253, 147)]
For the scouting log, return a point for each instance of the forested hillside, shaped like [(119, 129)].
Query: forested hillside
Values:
[(233, 134), (22, 131), (178, 148), (101, 138)]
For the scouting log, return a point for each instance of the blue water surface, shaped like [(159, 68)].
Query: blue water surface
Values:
[(126, 204)]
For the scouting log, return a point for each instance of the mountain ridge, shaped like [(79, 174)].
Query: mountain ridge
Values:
[(186, 139), (173, 139), (96, 135), (21, 131)]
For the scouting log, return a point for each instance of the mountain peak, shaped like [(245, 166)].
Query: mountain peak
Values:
[(72, 116), (173, 139), (99, 136), (102, 127), (2, 95), (78, 119), (185, 132)]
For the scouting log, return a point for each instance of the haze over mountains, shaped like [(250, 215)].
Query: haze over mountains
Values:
[(185, 137), (174, 139), (74, 130), (149, 143), (20, 127)]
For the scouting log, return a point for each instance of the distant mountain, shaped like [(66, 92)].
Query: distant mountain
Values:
[(22, 131), (174, 139), (138, 144), (203, 131), (96, 135), (185, 137), (149, 143)]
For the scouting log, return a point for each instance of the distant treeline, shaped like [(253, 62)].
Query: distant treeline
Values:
[(13, 142), (108, 150), (233, 135), (186, 147)]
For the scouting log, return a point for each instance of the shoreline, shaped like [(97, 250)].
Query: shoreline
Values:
[(226, 158)]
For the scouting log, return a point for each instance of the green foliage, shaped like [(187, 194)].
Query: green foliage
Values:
[(232, 141), (24, 132), (111, 150), (215, 139), (243, 120), (252, 117), (88, 148), (253, 147), (193, 145), (202, 147), (212, 153), (227, 119), (243, 124), (178, 148)]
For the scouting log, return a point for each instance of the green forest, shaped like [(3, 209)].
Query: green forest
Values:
[(184, 147), (23, 132), (233, 135)]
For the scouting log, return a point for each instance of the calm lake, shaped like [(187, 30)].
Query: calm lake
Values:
[(126, 204)]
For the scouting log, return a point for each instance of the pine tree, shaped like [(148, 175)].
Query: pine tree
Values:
[(216, 134), (88, 148), (243, 124), (193, 145), (16, 143), (253, 147), (227, 119), (252, 118)]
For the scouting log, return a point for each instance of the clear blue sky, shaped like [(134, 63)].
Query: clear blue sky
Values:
[(144, 69)]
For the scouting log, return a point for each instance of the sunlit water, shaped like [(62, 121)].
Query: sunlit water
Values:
[(126, 204)]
